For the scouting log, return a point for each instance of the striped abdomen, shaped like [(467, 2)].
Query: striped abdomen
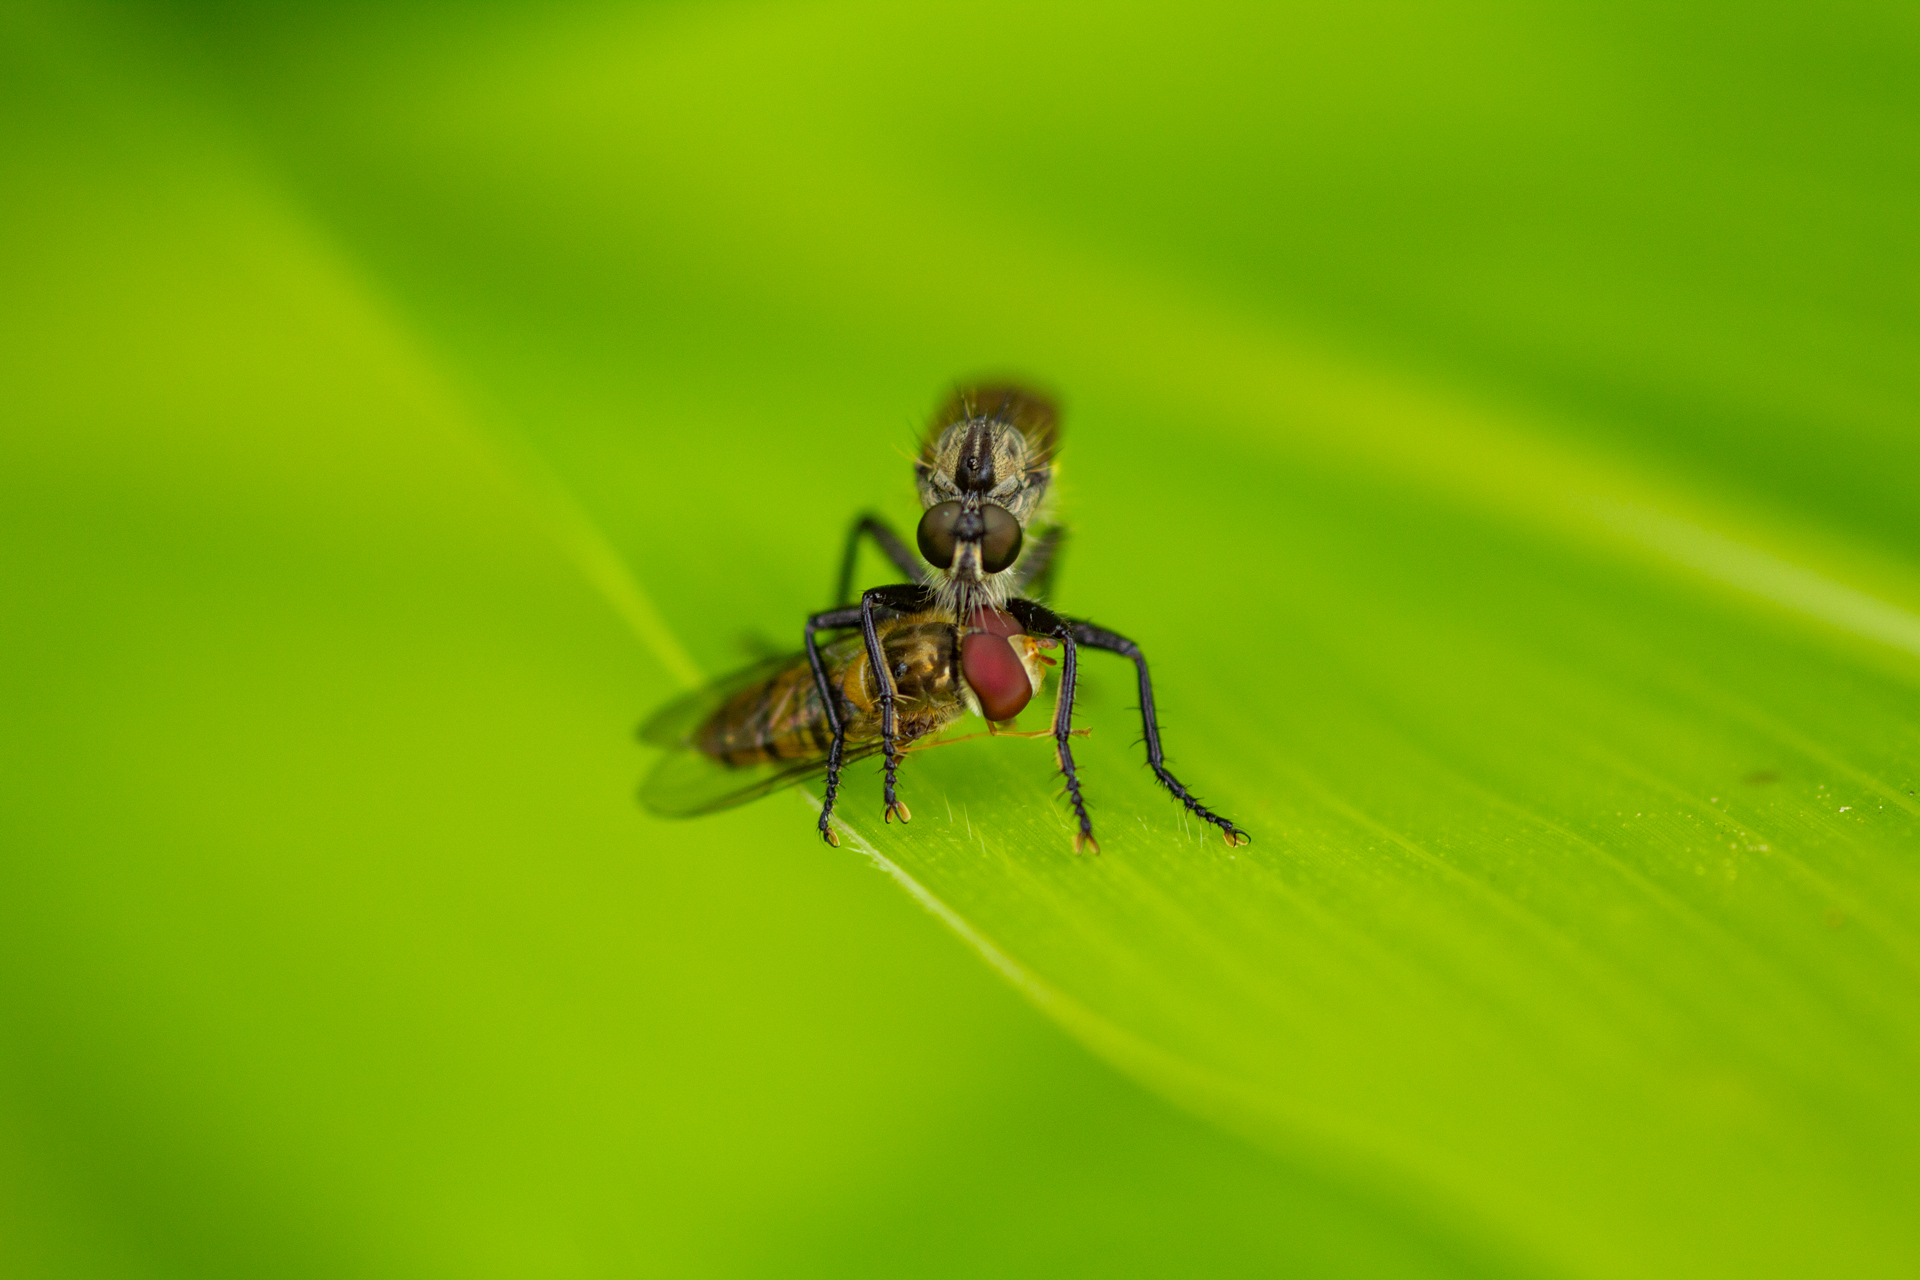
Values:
[(780, 718)]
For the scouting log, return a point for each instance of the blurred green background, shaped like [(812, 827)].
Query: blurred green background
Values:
[(1497, 422)]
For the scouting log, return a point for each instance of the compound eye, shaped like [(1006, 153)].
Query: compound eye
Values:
[(935, 534), (1001, 545)]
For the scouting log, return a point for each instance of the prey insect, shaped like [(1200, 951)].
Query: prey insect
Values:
[(984, 474), (766, 728), (966, 631)]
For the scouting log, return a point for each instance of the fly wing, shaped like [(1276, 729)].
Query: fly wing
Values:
[(710, 734), (687, 784), (675, 724)]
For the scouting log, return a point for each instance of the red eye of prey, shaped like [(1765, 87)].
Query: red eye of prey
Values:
[(992, 669)]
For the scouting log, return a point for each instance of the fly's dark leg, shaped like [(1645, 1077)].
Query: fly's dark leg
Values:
[(1040, 620), (1035, 572), (1098, 638), (901, 598), (827, 621), (888, 541), (1083, 841)]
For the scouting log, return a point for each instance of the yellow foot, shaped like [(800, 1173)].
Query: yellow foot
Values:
[(1237, 838), (826, 833), (1083, 842), (900, 808)]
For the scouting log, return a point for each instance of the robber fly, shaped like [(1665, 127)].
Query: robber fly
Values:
[(984, 473), (766, 728)]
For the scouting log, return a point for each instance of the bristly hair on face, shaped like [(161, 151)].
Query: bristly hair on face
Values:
[(991, 442), (1034, 414)]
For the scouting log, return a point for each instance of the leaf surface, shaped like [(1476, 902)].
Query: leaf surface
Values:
[(1520, 538)]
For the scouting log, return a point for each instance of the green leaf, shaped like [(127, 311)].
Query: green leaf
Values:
[(331, 939), (1494, 425)]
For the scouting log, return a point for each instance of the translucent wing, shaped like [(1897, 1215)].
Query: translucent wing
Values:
[(763, 706), (687, 783), (675, 724)]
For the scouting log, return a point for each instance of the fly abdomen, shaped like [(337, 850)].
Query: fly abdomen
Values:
[(778, 719)]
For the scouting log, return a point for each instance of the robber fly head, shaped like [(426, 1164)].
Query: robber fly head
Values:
[(983, 473)]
